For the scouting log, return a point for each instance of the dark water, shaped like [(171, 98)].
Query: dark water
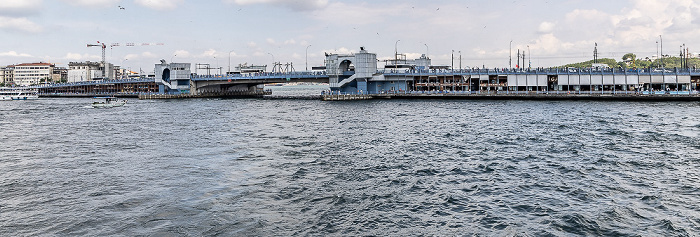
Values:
[(261, 167)]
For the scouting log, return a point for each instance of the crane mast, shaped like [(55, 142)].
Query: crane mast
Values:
[(104, 66)]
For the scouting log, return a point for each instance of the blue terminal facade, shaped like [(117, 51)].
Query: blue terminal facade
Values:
[(173, 78), (358, 74)]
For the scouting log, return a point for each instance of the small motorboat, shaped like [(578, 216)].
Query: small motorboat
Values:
[(108, 102)]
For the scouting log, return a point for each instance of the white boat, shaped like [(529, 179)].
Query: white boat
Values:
[(108, 102), (17, 94)]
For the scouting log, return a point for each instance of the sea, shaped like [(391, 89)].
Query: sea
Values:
[(287, 165)]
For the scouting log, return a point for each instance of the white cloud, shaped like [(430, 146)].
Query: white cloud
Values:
[(210, 53), (14, 54), (358, 14), (182, 53), (546, 27), (73, 56), (148, 55), (131, 56), (341, 50), (252, 44), (93, 3), (161, 5), (21, 24), (20, 7), (297, 5), (76, 57)]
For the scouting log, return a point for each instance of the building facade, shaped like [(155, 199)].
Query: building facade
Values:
[(7, 75), (60, 74), (32, 73), (173, 77), (83, 71)]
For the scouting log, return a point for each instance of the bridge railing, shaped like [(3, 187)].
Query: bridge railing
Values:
[(492, 71), (562, 92), (88, 83), (262, 75)]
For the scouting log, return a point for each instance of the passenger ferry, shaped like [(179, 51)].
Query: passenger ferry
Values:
[(108, 102), (17, 94)]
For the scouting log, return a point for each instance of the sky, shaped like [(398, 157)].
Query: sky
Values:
[(483, 33)]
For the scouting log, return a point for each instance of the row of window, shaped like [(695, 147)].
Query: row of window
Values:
[(31, 75), (25, 67), (31, 72)]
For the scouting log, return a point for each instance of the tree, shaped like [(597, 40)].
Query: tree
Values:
[(630, 60), (629, 56)]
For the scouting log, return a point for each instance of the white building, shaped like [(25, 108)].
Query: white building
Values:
[(84, 71), (8, 73), (32, 73)]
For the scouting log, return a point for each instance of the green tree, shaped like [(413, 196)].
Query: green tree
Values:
[(629, 56)]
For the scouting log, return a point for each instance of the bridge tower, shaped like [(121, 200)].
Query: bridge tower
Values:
[(350, 73), (173, 78)]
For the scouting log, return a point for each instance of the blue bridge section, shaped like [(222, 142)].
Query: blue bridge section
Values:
[(424, 81)]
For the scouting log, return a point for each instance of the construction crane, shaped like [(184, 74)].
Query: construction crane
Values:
[(104, 66), (112, 45)]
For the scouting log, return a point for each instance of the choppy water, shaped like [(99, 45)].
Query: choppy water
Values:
[(261, 167)]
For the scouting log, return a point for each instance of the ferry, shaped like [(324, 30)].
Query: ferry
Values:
[(108, 102), (17, 94)]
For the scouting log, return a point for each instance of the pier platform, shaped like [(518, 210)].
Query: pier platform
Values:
[(521, 95)]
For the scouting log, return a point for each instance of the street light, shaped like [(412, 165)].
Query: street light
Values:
[(662, 51), (396, 50), (453, 60), (229, 62), (427, 51), (657, 52), (273, 61), (529, 58), (460, 60), (217, 64), (510, 55), (307, 57)]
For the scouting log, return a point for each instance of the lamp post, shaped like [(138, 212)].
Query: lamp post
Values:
[(229, 62), (460, 60), (307, 57), (396, 50), (510, 55), (529, 58), (453, 60), (427, 51), (217, 64), (662, 51), (657, 52), (273, 61)]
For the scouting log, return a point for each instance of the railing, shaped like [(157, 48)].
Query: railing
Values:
[(88, 83), (493, 71), (261, 75), (505, 92)]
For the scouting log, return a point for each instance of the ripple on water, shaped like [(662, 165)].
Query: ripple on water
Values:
[(255, 167)]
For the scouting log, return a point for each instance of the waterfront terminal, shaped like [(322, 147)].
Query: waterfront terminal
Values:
[(358, 77)]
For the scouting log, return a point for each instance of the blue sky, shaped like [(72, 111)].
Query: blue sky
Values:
[(255, 31)]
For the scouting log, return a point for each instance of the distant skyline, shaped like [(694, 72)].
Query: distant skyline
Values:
[(256, 31)]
